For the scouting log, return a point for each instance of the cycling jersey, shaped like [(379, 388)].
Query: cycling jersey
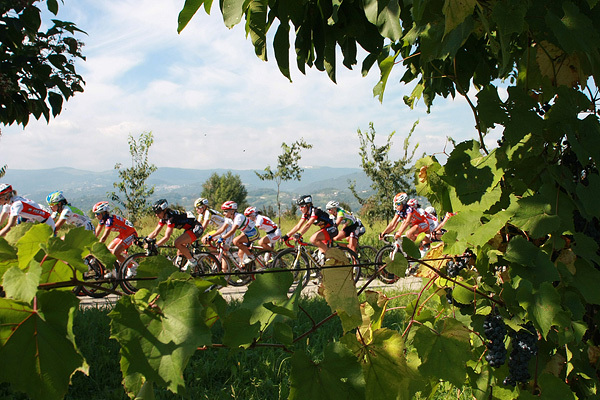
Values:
[(419, 217), (321, 217), (29, 210), (118, 224), (347, 217), (211, 217), (246, 225), (74, 216), (182, 220), (266, 224)]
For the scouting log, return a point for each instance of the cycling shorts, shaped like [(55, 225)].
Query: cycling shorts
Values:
[(273, 235), (195, 232), (126, 241), (252, 234), (330, 233), (355, 230)]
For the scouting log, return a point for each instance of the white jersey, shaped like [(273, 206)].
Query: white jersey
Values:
[(28, 209), (211, 217), (265, 223), (244, 223), (74, 216)]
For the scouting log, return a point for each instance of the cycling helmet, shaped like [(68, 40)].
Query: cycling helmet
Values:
[(304, 200), (55, 198), (332, 204), (100, 207), (400, 198), (200, 201), (5, 188), (229, 205), (412, 203), (431, 210), (160, 205), (250, 211)]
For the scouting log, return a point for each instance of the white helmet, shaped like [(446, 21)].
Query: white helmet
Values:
[(431, 210), (332, 204)]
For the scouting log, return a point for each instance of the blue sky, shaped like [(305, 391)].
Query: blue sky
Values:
[(210, 102)]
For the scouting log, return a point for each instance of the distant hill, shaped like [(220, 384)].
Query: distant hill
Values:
[(183, 186)]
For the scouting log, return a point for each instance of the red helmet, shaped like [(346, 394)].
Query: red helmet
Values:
[(250, 211), (229, 205), (100, 207), (412, 203)]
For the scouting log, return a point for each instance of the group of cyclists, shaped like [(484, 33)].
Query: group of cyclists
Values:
[(230, 227)]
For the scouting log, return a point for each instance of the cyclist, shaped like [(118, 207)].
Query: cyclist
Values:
[(414, 219), (439, 231), (65, 213), (174, 219), (348, 225), (314, 215), (248, 234), (207, 216), (114, 223), (264, 223), (15, 207)]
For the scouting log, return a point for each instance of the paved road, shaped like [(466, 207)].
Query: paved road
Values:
[(237, 293)]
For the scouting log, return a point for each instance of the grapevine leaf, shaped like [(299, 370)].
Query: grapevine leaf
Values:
[(586, 247), (339, 290), (410, 248), (8, 254), (76, 244), (159, 333), (490, 107), (283, 333), (510, 16), (238, 330), (101, 252), (33, 339), (542, 304), (267, 288), (20, 285), (339, 375), (444, 353), (456, 11), (589, 195), (554, 387), (585, 280), (54, 271), (464, 295), (232, 12), (29, 245), (529, 262), (158, 267), (372, 311), (398, 265), (535, 214), (187, 12), (386, 16), (387, 374)]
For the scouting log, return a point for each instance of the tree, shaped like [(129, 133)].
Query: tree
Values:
[(133, 188), (221, 188), (287, 168), (37, 68), (388, 177)]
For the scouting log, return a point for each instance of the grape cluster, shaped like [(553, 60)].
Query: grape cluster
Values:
[(451, 300), (524, 346), (453, 267), (495, 331)]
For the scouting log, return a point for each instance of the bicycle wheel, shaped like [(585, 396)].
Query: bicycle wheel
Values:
[(128, 270), (265, 258), (207, 264), (352, 259), (297, 263), (236, 276), (385, 276), (366, 258), (96, 276)]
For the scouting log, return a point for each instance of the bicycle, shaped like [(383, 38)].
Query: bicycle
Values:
[(366, 258), (237, 272), (97, 272), (390, 250), (127, 272), (306, 265)]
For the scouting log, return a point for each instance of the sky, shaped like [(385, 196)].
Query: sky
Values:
[(210, 102)]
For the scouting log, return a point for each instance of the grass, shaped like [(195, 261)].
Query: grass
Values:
[(216, 373)]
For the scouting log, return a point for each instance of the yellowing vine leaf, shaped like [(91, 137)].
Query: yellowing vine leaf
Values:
[(562, 69), (339, 290)]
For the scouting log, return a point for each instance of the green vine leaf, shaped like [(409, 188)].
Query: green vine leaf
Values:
[(268, 289), (159, 334), (32, 339), (456, 11), (529, 262), (31, 243), (442, 352), (542, 304), (338, 376), (20, 285)]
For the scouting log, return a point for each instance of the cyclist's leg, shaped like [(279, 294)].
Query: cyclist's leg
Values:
[(182, 242), (240, 241), (321, 239)]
